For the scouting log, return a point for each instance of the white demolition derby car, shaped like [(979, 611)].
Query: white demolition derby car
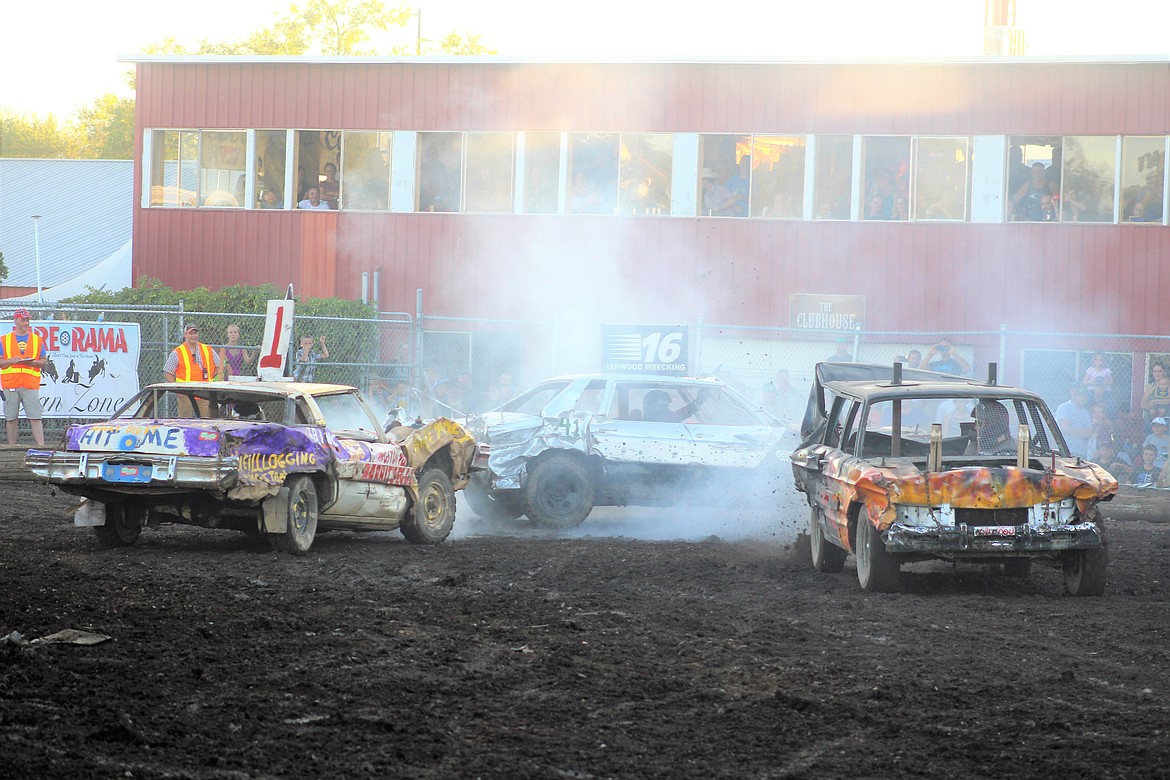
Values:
[(576, 442), (277, 459)]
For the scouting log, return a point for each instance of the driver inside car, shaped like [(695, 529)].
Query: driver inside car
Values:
[(656, 407)]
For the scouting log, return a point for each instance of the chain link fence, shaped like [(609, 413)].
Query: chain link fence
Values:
[(434, 365)]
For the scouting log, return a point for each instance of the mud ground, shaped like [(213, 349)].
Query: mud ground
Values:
[(706, 649)]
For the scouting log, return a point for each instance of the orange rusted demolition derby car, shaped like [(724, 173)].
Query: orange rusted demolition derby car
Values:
[(901, 466)]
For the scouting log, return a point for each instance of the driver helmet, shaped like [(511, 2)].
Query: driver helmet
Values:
[(656, 398)]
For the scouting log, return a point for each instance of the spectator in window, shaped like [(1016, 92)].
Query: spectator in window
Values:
[(874, 208), (1018, 173), (269, 200), (943, 358), (307, 358), (330, 188), (1137, 213), (1026, 206), (739, 184), (1048, 209), (584, 197), (718, 200), (901, 209), (313, 201), (883, 187)]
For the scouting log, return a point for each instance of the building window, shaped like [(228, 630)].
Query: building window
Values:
[(940, 180), (724, 189), (593, 169), (318, 156), (1033, 177), (776, 169), (1143, 178), (834, 176), (1088, 178), (645, 174), (174, 169), (223, 169), (885, 177), (365, 170), (271, 146), (490, 166), (542, 165), (440, 161)]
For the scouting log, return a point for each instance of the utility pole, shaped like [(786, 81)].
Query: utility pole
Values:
[(37, 250)]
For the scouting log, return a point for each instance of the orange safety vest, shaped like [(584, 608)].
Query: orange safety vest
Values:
[(21, 375), (190, 371)]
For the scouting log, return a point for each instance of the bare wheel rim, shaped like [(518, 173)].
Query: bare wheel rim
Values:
[(434, 506), (300, 516)]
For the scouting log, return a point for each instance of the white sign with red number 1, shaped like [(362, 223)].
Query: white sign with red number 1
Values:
[(278, 331)]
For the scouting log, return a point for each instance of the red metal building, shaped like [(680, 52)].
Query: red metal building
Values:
[(824, 141)]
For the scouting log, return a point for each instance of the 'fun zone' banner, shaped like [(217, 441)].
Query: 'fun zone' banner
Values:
[(92, 369)]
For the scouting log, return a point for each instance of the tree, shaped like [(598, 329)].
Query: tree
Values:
[(468, 45), (33, 136), (3, 269), (342, 26), (107, 127)]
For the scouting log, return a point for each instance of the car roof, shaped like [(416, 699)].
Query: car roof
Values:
[(870, 390), (616, 377), (275, 388)]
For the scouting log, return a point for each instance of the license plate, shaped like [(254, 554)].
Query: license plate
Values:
[(995, 530), (119, 472)]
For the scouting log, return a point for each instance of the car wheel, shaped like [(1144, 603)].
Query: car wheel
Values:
[(1018, 568), (877, 569), (826, 556), (122, 527), (302, 518), (501, 507), (559, 491), (433, 514), (1085, 572)]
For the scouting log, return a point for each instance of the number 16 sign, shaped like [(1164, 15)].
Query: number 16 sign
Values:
[(650, 349)]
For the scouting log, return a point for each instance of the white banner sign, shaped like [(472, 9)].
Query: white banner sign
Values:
[(92, 369), (278, 330)]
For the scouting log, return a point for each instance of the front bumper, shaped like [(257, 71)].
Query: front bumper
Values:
[(122, 472), (978, 541)]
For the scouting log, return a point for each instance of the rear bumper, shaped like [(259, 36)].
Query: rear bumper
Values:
[(123, 472), (978, 541)]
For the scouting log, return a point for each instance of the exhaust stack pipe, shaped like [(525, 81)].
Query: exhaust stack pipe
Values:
[(1023, 441), (934, 463), (897, 373), (992, 374)]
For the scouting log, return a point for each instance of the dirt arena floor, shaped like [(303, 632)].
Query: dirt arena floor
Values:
[(647, 644)]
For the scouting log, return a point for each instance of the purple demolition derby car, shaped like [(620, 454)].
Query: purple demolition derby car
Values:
[(277, 459)]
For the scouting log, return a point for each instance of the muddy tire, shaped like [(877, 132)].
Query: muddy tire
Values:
[(559, 491), (1086, 572), (123, 525), (302, 518), (826, 556), (877, 569), (433, 515), (501, 507)]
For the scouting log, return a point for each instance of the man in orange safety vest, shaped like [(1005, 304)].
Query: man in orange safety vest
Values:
[(191, 361), (24, 355)]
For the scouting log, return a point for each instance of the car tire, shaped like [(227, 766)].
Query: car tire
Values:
[(495, 507), (302, 518), (1018, 568), (877, 569), (826, 556), (559, 491), (1086, 572), (122, 527), (433, 516)]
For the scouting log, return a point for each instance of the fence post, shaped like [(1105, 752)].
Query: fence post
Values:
[(1005, 378), (416, 358), (857, 344), (697, 358)]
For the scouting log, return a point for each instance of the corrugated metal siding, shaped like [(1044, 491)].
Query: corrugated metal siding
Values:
[(86, 215), (1061, 277)]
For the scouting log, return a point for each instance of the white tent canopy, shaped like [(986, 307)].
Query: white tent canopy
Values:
[(112, 274)]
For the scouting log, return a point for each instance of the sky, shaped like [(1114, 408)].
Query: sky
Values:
[(58, 68)]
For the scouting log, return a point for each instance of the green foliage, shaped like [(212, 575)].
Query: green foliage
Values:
[(3, 269), (107, 125), (467, 45), (104, 130)]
